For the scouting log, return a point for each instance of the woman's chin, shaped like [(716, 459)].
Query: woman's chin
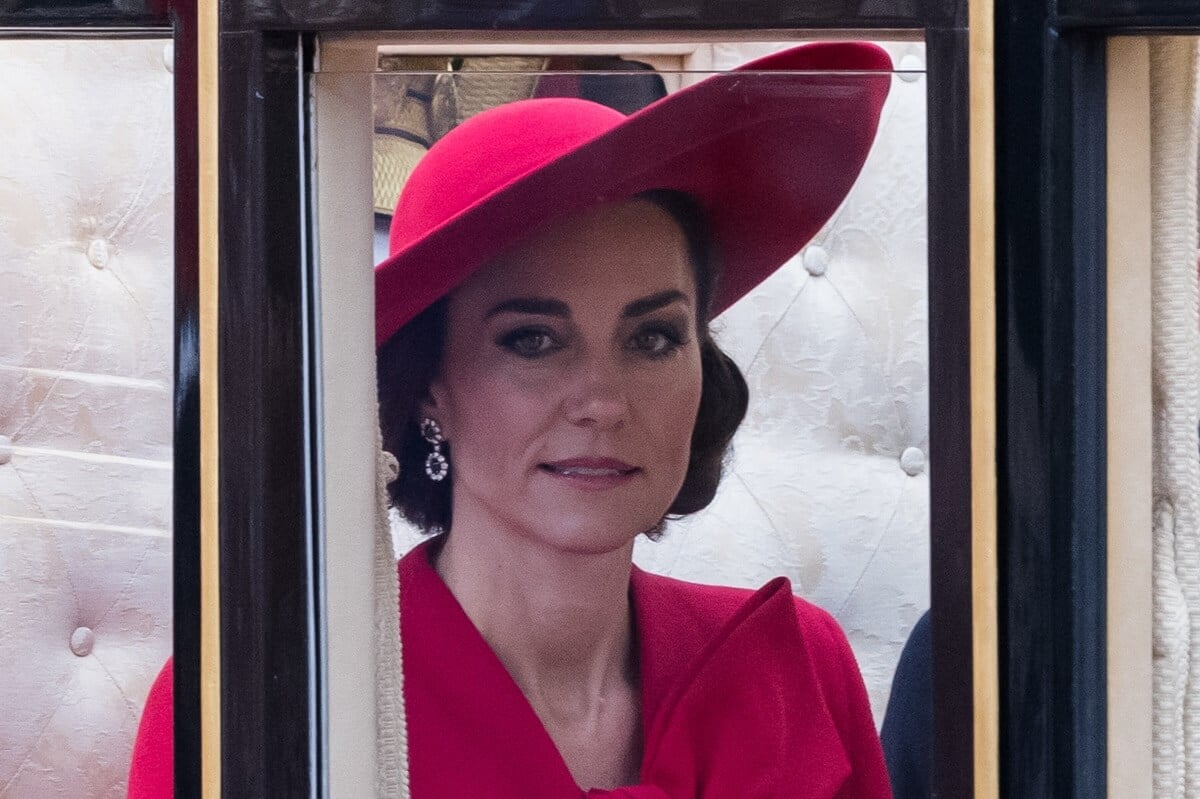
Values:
[(587, 534)]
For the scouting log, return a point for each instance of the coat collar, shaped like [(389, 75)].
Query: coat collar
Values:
[(732, 701)]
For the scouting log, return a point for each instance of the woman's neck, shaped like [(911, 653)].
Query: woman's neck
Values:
[(559, 621)]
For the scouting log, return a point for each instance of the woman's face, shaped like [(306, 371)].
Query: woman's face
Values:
[(570, 381)]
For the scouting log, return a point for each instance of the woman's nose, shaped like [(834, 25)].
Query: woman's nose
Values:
[(599, 398)]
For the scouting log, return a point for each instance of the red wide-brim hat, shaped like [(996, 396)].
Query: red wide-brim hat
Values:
[(769, 158)]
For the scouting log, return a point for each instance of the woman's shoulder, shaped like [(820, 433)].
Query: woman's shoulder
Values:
[(699, 611), (776, 668), (718, 604), (151, 769)]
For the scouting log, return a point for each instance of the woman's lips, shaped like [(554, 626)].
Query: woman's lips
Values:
[(594, 473)]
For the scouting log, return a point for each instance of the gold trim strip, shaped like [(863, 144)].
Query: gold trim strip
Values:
[(207, 25), (984, 610)]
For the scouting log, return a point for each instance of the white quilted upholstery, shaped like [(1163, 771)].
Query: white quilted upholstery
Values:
[(85, 407), (829, 483)]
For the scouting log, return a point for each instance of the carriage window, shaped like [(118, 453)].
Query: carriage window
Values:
[(827, 479)]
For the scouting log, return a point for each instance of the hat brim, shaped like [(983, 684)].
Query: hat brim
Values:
[(768, 159)]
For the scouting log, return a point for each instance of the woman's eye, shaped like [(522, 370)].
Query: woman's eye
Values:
[(529, 343), (657, 342)]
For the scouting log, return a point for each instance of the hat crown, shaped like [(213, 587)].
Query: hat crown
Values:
[(488, 152)]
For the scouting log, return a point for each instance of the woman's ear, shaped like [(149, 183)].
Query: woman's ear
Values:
[(436, 406)]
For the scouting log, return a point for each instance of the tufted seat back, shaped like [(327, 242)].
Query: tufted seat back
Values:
[(86, 304)]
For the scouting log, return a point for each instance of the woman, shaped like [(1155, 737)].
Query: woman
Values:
[(550, 389)]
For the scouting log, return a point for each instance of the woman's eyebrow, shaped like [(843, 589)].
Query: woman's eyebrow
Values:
[(653, 303), (548, 307), (533, 305)]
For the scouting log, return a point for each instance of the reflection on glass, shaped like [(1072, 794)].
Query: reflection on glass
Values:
[(86, 205), (827, 478)]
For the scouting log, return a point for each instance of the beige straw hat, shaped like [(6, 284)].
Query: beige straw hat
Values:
[(417, 100)]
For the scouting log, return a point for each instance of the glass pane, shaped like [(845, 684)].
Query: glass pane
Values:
[(86, 275), (827, 482), (504, 267)]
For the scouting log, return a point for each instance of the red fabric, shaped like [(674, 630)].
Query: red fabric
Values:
[(768, 159), (744, 694), (151, 771)]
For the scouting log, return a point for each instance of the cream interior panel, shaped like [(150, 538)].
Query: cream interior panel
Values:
[(1130, 421)]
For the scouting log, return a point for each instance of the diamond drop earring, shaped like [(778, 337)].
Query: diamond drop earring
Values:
[(436, 465)]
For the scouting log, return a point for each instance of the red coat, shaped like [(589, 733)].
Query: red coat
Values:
[(744, 695)]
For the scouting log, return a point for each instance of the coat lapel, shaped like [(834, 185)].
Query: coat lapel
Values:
[(732, 700)]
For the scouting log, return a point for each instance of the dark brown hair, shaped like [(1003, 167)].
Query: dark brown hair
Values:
[(409, 361)]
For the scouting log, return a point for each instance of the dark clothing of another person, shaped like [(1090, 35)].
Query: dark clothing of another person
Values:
[(907, 732)]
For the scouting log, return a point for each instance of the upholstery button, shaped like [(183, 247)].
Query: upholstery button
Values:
[(816, 259), (911, 67), (169, 56), (912, 461), (6, 449), (97, 253), (82, 641)]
